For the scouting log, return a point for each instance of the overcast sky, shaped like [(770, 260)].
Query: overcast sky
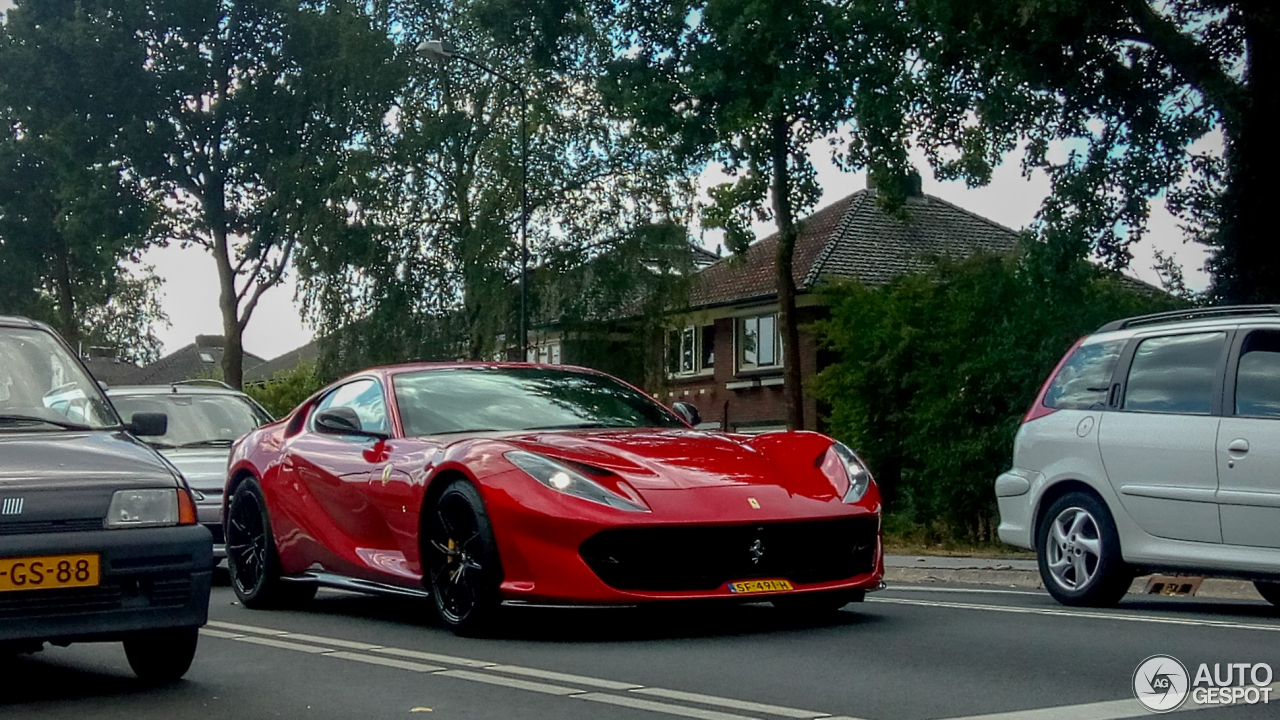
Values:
[(190, 292)]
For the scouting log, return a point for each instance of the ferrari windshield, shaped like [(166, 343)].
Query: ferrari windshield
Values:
[(457, 400), (43, 388)]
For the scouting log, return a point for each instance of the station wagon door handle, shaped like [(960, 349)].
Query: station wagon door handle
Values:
[(1239, 446)]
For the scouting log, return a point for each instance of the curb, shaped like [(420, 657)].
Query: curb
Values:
[(1023, 574)]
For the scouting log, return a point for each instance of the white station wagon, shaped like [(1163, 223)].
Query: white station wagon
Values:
[(1154, 445)]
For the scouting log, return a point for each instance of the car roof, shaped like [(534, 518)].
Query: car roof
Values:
[(19, 322), (187, 388), (1207, 318), (456, 365)]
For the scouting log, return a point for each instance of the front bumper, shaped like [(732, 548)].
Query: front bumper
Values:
[(692, 548), (151, 578)]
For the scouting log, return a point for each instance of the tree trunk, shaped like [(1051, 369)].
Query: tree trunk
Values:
[(70, 329), (228, 302), (787, 232), (1247, 264)]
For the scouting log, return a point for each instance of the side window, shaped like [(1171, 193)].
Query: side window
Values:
[(1258, 375), (1175, 373), (365, 397), (1085, 379)]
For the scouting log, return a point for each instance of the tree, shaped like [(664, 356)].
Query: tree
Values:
[(936, 369), (256, 114), (70, 210), (1128, 86), (433, 270), (752, 84)]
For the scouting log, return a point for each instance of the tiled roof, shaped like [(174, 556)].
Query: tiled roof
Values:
[(855, 238), (288, 361), (112, 371), (200, 359)]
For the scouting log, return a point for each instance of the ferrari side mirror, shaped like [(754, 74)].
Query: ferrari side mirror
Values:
[(342, 421), (687, 412)]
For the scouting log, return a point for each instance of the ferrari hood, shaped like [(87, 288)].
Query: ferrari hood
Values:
[(653, 459)]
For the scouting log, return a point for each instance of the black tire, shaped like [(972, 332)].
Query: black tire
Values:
[(817, 605), (252, 561), (1079, 553), (161, 656), (460, 556), (1270, 591)]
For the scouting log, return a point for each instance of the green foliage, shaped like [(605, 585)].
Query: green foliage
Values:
[(70, 212), (1125, 88), (935, 370), (286, 389)]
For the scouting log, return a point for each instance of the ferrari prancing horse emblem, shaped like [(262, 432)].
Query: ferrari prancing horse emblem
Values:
[(754, 503), (386, 474)]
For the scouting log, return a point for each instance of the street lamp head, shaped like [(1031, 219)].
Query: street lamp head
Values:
[(436, 49)]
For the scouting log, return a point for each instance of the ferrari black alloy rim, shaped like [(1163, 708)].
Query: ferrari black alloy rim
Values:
[(247, 543), (456, 576)]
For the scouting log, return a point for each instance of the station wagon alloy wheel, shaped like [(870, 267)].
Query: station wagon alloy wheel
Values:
[(1074, 548)]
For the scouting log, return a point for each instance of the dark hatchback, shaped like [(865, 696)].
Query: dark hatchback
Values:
[(99, 539)]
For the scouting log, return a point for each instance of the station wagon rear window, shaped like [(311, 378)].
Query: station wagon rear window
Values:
[(1084, 379)]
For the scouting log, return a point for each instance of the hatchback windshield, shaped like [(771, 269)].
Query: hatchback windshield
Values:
[(195, 420), (42, 387), (455, 400)]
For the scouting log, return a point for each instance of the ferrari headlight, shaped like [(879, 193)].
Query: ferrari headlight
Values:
[(856, 470), (143, 508), (562, 478)]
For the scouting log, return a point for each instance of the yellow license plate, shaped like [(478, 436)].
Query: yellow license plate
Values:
[(755, 586), (48, 572)]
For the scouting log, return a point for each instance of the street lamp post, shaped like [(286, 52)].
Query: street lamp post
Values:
[(442, 50)]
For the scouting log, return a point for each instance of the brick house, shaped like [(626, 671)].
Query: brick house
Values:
[(725, 355)]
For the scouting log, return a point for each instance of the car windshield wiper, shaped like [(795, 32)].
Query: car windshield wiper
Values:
[(8, 418), (211, 442)]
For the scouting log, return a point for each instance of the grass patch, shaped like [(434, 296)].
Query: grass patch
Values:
[(904, 536)]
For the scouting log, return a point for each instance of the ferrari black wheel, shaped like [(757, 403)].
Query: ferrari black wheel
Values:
[(462, 560), (816, 605), (252, 560), (161, 656)]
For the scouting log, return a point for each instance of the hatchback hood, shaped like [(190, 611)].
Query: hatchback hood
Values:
[(204, 468), (653, 459), (94, 459)]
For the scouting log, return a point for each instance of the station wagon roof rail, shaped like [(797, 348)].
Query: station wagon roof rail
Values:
[(1209, 313)]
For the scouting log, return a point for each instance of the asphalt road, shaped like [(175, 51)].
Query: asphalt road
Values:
[(907, 653)]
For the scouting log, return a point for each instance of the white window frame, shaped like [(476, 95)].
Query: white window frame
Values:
[(739, 343), (546, 353), (694, 335)]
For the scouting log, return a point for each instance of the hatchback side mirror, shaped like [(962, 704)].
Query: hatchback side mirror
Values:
[(146, 424), (687, 412)]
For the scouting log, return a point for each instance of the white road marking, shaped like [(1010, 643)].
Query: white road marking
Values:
[(433, 657), (731, 703), (563, 677), (1107, 710), (348, 644), (245, 628), (281, 644), (1090, 615), (385, 662), (658, 707), (219, 634), (511, 682)]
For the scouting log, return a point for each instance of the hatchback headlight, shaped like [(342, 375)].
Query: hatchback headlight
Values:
[(150, 508), (562, 478), (854, 469)]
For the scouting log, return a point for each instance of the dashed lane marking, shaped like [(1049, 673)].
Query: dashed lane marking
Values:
[(732, 703), (283, 644), (660, 707), (385, 662), (563, 677), (433, 657), (512, 682)]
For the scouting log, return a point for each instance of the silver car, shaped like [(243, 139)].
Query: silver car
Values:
[(205, 418)]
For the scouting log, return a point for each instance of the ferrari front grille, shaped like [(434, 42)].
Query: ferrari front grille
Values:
[(706, 557)]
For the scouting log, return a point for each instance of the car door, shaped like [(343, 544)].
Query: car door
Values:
[(1248, 448), (1159, 449), (332, 474)]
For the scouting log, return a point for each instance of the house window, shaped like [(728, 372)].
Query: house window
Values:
[(691, 350), (759, 343), (547, 353)]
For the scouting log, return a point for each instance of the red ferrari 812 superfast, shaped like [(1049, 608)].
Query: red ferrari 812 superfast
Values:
[(491, 484)]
